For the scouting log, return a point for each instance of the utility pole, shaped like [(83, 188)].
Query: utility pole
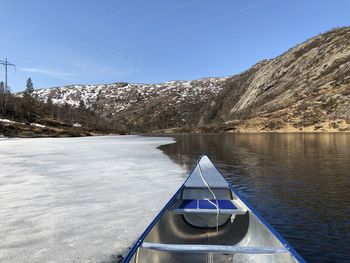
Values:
[(6, 64)]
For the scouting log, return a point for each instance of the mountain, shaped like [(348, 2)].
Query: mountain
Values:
[(141, 107), (24, 116), (307, 88)]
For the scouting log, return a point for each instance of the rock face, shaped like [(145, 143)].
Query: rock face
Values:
[(307, 87)]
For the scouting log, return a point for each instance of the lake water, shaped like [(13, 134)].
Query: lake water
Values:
[(300, 183), (88, 199)]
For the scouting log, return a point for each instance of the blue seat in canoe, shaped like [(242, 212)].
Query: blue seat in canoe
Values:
[(222, 204), (206, 206), (189, 204)]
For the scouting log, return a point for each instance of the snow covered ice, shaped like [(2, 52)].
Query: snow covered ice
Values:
[(80, 199)]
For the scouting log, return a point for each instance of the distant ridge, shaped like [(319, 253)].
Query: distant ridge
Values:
[(307, 88)]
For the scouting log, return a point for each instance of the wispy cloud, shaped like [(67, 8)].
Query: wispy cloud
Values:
[(52, 73), (83, 72), (99, 70)]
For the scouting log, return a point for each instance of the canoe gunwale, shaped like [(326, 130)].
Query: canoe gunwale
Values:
[(156, 219), (149, 228), (268, 226)]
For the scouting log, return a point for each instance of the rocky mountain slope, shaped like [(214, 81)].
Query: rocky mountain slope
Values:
[(141, 107), (305, 89)]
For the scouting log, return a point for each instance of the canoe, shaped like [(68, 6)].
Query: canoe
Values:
[(208, 221)]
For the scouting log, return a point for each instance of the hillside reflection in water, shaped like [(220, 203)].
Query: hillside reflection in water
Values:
[(298, 182)]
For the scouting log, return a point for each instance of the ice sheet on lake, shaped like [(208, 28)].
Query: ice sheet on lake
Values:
[(80, 199)]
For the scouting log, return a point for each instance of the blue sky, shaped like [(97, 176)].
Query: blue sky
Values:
[(103, 41)]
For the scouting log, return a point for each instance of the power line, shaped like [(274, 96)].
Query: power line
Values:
[(127, 27), (134, 24), (185, 28), (160, 36), (6, 64), (121, 10), (90, 15), (64, 27)]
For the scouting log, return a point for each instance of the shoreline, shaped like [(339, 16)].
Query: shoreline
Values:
[(243, 132), (15, 129), (170, 133)]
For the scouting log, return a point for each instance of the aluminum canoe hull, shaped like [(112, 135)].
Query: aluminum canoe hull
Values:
[(208, 221)]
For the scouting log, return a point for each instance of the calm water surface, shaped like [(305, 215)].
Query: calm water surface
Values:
[(300, 183)]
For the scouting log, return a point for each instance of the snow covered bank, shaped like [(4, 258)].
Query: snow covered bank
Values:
[(80, 199)]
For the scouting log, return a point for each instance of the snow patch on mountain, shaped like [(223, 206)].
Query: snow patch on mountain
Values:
[(124, 95)]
